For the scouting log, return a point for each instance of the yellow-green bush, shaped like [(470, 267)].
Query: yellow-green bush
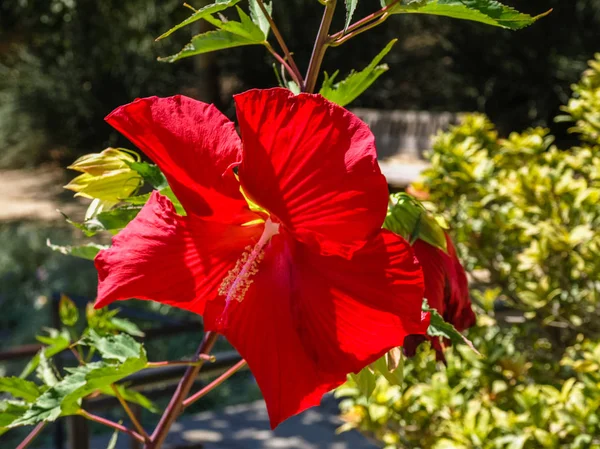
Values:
[(526, 219)]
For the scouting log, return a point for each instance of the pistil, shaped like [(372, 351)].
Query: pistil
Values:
[(238, 281)]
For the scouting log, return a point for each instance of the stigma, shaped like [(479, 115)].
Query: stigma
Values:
[(238, 280)]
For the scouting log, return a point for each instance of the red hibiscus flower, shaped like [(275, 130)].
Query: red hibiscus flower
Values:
[(305, 284), (446, 290)]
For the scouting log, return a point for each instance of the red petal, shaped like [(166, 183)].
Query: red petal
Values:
[(446, 290), (353, 311), (458, 308), (313, 165), (308, 319), (193, 144), (164, 257), (435, 264)]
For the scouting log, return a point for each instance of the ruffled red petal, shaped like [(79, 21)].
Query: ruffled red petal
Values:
[(436, 267), (313, 165), (193, 144), (458, 308), (308, 320), (164, 257), (446, 290)]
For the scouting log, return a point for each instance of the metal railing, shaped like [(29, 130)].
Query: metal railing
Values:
[(73, 431)]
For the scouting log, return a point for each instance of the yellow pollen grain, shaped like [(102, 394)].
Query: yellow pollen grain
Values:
[(237, 282)]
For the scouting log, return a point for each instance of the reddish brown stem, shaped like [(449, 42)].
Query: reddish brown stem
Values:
[(287, 67), (131, 415), (364, 21), (215, 383), (111, 424), (176, 405), (320, 48), (288, 55), (32, 435), (202, 358), (350, 35)]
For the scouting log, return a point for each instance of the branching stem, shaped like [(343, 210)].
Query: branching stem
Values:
[(112, 425), (32, 435), (215, 383), (175, 406), (364, 22), (316, 60), (130, 413), (298, 80), (293, 68)]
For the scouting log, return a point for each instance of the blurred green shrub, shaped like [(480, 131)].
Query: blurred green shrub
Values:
[(526, 220), (65, 64)]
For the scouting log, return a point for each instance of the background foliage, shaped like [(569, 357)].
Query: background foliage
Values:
[(61, 71), (525, 216)]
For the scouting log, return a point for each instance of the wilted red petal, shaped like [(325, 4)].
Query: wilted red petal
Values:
[(308, 319), (193, 144), (458, 309), (313, 165), (164, 257), (446, 290), (436, 267)]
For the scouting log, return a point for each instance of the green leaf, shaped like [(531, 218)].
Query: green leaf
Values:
[(350, 8), (440, 328), (135, 397), (259, 18), (203, 12), (245, 28), (10, 411), (64, 398), (112, 220), (151, 174), (365, 381), (67, 311), (45, 371), (489, 12), (113, 440), (124, 325), (394, 377), (88, 251), (99, 375), (207, 42), (20, 388), (230, 34), (56, 341), (140, 200), (409, 219), (293, 86), (356, 83), (113, 347)]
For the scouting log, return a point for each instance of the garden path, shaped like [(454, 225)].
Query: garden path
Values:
[(246, 426), (36, 194)]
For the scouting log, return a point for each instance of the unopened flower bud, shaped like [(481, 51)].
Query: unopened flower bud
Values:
[(106, 176)]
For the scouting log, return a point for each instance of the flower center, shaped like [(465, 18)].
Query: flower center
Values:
[(237, 282)]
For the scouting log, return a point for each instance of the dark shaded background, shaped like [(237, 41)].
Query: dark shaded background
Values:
[(65, 64)]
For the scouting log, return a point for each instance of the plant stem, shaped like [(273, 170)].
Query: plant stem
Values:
[(176, 405), (350, 35), (298, 80), (364, 21), (320, 48), (202, 358), (131, 415), (32, 435), (77, 355), (111, 424), (215, 383), (288, 55)]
